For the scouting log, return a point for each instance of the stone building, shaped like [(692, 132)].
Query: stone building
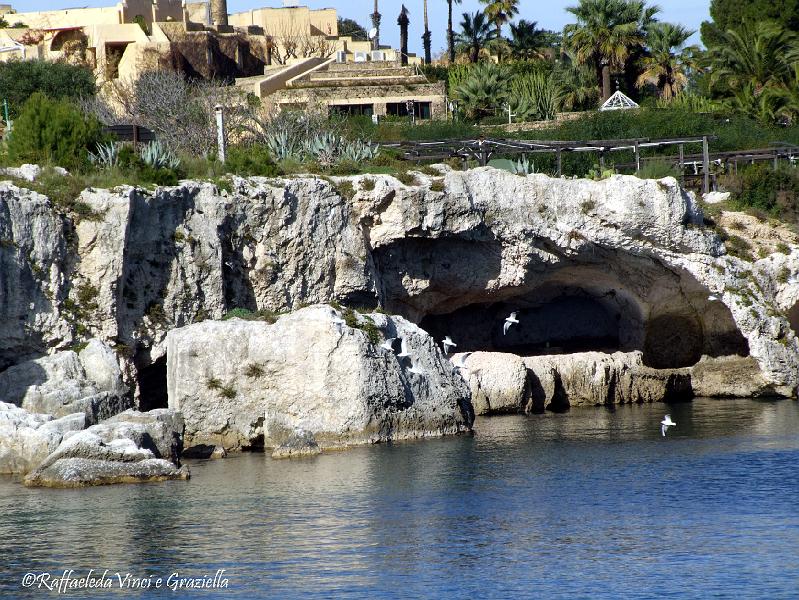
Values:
[(354, 88), (290, 55)]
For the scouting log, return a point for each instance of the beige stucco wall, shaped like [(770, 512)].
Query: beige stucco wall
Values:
[(199, 12), (79, 17), (300, 20), (124, 12)]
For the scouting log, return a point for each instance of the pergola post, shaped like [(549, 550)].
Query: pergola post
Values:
[(560, 162), (682, 165), (706, 165), (637, 158)]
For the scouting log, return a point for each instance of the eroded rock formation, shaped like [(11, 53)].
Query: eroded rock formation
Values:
[(622, 265), (244, 383)]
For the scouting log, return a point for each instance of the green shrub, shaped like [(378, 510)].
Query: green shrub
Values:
[(251, 160), (737, 246), (248, 315), (20, 79), (53, 132)]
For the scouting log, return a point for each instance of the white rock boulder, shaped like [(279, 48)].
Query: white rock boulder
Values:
[(68, 382), (237, 382), (128, 448), (26, 439)]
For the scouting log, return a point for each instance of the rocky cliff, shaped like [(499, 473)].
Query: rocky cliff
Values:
[(618, 265)]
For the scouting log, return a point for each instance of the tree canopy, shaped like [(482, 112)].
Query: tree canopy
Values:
[(20, 79), (348, 27), (732, 14)]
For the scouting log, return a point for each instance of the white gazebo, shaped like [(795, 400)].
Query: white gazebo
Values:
[(618, 101)]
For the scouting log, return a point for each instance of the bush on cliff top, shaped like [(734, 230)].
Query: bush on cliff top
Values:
[(20, 79), (53, 132)]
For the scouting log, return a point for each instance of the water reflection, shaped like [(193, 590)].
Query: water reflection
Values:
[(563, 504)]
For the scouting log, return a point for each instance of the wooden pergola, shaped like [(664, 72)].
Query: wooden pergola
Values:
[(483, 149)]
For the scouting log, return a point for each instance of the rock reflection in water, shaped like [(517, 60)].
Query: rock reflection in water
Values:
[(563, 505)]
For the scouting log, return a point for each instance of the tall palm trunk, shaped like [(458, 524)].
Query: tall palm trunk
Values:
[(450, 36), (376, 17), (427, 38), (606, 93)]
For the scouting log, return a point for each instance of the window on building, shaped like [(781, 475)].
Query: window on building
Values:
[(422, 110), (353, 109)]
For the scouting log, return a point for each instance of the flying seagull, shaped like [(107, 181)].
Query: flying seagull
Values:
[(712, 298), (415, 369), (511, 320), (665, 424), (388, 344), (460, 362), (447, 343), (404, 350)]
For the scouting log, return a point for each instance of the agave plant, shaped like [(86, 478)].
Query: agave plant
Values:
[(283, 145), (157, 155), (107, 155), (324, 148), (524, 166), (358, 151)]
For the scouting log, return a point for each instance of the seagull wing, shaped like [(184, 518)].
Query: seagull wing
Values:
[(663, 430), (505, 328)]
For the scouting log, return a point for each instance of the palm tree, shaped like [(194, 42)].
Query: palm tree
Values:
[(662, 67), (500, 12), (760, 56), (606, 33), (451, 32), (376, 18), (577, 83), (427, 38), (527, 40), (475, 33)]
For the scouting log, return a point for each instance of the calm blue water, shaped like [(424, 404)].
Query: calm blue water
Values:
[(591, 504)]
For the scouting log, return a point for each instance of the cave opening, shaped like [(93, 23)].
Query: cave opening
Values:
[(570, 321), (567, 319), (793, 318), (152, 386)]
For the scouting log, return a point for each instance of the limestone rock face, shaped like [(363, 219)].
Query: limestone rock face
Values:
[(624, 263), (730, 377), (68, 382), (26, 439), (305, 375), (498, 382), (594, 378), (503, 382), (130, 447)]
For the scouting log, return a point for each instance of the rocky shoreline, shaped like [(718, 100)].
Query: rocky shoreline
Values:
[(112, 343)]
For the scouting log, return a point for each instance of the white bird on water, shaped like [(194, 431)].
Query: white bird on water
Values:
[(665, 424), (404, 350), (511, 320), (448, 343), (388, 344)]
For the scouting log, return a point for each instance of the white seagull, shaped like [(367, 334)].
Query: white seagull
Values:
[(447, 343), (388, 344), (712, 298), (665, 424), (404, 350), (511, 320), (339, 323), (415, 369), (459, 362)]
